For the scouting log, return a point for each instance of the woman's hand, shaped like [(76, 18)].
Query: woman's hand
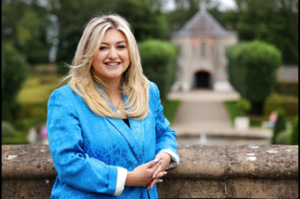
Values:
[(142, 175), (160, 170)]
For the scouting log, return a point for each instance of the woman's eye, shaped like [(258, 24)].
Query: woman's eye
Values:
[(121, 47), (102, 48)]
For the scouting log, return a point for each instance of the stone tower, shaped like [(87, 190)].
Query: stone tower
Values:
[(202, 62)]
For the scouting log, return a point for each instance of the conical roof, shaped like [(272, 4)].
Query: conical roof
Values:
[(202, 23)]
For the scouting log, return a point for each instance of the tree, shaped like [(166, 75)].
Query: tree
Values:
[(252, 70), (159, 63), (185, 10), (25, 26), (14, 71), (146, 22), (272, 21)]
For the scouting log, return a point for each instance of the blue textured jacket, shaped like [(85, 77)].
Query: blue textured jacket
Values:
[(86, 149)]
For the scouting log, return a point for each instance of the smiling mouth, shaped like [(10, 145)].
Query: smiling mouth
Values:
[(113, 64)]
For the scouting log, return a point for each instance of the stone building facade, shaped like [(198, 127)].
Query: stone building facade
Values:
[(202, 62)]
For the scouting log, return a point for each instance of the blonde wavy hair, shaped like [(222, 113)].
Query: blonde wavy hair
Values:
[(83, 79)]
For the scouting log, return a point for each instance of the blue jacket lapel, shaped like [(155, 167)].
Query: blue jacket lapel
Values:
[(127, 133), (133, 135)]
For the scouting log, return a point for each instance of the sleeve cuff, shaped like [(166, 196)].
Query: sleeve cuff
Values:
[(121, 179), (175, 160)]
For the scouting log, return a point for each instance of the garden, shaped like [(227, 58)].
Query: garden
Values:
[(31, 100), (38, 34), (253, 73)]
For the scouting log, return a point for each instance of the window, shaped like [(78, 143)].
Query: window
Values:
[(212, 52), (203, 50)]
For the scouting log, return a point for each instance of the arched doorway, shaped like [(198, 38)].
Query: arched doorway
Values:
[(202, 80)]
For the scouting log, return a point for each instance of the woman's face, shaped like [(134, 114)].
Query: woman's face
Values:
[(112, 58)]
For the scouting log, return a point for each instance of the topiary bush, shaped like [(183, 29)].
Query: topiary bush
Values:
[(252, 69), (287, 103), (243, 105), (293, 136), (159, 63), (7, 129), (280, 125)]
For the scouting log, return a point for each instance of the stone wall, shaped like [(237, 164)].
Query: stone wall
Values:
[(264, 171), (288, 73)]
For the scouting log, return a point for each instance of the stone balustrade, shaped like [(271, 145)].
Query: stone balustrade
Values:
[(245, 171)]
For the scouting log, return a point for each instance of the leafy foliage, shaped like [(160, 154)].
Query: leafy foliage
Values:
[(294, 135), (287, 88), (282, 137), (279, 126), (7, 129), (243, 105), (14, 71), (185, 10), (170, 109), (272, 21), (35, 28), (146, 22), (287, 103), (232, 110), (159, 63), (18, 138), (25, 27), (252, 69)]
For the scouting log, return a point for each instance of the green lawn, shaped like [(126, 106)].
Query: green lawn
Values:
[(233, 112), (37, 88), (170, 109), (255, 120), (18, 138), (32, 99)]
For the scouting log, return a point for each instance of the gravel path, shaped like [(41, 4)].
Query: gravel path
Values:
[(203, 111)]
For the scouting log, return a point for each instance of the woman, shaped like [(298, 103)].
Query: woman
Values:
[(107, 132)]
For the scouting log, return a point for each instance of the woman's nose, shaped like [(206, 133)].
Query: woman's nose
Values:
[(112, 54)]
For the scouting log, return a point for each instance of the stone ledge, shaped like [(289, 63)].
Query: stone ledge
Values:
[(204, 171), (197, 161)]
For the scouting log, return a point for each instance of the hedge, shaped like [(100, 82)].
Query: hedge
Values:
[(287, 88), (287, 103), (293, 136), (280, 125), (159, 63), (252, 69)]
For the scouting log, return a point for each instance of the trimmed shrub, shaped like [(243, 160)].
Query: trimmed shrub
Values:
[(7, 129), (279, 126), (287, 103), (293, 136), (243, 105), (282, 137), (252, 69), (159, 63), (287, 88)]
